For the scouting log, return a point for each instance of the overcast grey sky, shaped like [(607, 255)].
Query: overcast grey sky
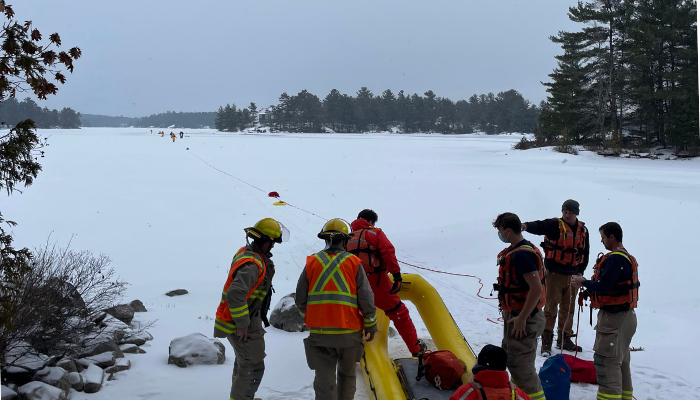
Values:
[(150, 56)]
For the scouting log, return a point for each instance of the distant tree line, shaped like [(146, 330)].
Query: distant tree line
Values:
[(305, 112), (13, 111), (190, 120), (630, 72)]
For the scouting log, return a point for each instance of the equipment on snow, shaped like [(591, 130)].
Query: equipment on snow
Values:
[(582, 371), (555, 376)]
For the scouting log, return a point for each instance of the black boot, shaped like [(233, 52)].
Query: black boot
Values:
[(547, 338), (569, 344)]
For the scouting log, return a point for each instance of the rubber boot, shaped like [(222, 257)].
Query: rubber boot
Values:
[(547, 338), (569, 344)]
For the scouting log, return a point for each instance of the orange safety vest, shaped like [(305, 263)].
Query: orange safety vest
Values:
[(224, 314), (368, 254), (626, 292), (568, 249), (512, 293), (491, 393), (332, 303)]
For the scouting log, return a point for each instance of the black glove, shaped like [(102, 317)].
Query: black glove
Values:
[(397, 283)]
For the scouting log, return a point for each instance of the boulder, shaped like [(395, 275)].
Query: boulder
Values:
[(129, 348), (25, 360), (41, 391), (138, 339), (138, 306), (76, 381), (103, 360), (54, 376), (122, 365), (103, 348), (7, 394), (64, 295), (92, 379), (286, 315), (122, 312), (392, 332), (176, 292), (68, 365), (195, 349)]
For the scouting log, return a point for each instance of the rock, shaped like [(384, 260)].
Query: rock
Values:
[(683, 154), (672, 158), (54, 376), (76, 381), (129, 348), (103, 348), (122, 365), (7, 394), (104, 360), (176, 292), (100, 317), (25, 359), (41, 391), (625, 155), (122, 312), (92, 379), (64, 295), (138, 339), (286, 315), (138, 306), (112, 377), (68, 365), (196, 349), (141, 351), (392, 332)]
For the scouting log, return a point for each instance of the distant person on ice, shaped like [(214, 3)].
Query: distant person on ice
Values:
[(245, 303), (566, 249), (336, 321), (378, 257), (172, 136), (521, 296), (182, 134), (162, 133), (491, 381), (614, 290)]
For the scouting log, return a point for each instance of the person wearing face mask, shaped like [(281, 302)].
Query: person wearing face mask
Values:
[(614, 290), (244, 305), (521, 296), (566, 250), (334, 297)]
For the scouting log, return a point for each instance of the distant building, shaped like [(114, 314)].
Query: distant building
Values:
[(265, 116)]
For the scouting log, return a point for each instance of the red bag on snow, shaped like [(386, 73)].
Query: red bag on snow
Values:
[(581, 370), (441, 368)]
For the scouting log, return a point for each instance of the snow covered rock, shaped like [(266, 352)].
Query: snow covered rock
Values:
[(76, 381), (138, 339), (103, 360), (122, 312), (64, 295), (41, 391), (392, 332), (176, 292), (138, 306), (24, 359), (54, 376), (196, 349), (92, 379), (104, 347), (68, 365), (7, 394), (121, 365), (286, 315), (129, 348)]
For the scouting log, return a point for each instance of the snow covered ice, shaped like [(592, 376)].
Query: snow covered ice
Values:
[(168, 220)]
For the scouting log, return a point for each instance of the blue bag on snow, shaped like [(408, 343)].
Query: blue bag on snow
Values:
[(555, 376)]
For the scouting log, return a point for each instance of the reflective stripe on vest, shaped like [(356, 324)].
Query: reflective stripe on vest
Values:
[(332, 311), (568, 248), (626, 292), (224, 314)]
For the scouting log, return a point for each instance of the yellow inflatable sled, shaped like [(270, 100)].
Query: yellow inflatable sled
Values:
[(389, 379)]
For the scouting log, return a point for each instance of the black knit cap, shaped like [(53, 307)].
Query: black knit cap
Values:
[(571, 205), (491, 357)]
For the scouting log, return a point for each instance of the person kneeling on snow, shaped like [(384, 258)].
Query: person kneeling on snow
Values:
[(491, 380)]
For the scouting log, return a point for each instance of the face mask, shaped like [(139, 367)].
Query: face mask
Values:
[(500, 236)]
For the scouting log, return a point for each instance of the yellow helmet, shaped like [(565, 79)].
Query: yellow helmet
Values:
[(334, 228), (270, 229)]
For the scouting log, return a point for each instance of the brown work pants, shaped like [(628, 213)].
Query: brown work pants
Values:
[(559, 297), (329, 361), (614, 332), (522, 353), (248, 367)]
